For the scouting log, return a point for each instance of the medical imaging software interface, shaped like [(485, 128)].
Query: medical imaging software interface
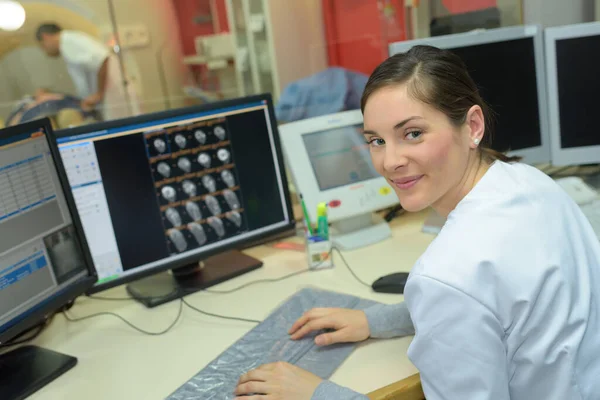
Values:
[(339, 157), (156, 191), (39, 251)]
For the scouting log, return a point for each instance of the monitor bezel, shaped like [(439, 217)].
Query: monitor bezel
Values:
[(533, 155), (79, 287), (574, 155), (355, 199), (234, 244)]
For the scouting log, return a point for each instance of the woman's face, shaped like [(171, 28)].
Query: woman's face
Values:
[(425, 158)]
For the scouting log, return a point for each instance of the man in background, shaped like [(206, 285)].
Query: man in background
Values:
[(93, 69)]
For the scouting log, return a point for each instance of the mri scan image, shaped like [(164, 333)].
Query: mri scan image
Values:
[(178, 240), (189, 188), (173, 216), (232, 199), (169, 193), (209, 183), (236, 218), (198, 232), (204, 160), (181, 141), (160, 145), (185, 165), (227, 177), (224, 155), (220, 132), (217, 225), (164, 169), (213, 205), (200, 136), (193, 210)]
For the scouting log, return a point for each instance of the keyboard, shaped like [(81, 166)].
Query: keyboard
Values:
[(269, 342)]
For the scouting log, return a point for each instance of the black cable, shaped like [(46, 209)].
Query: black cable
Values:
[(219, 316), (71, 319), (350, 269), (40, 328), (258, 281)]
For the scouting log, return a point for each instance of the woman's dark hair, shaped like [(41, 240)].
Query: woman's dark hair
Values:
[(439, 78)]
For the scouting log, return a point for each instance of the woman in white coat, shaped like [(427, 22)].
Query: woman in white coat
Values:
[(505, 302)]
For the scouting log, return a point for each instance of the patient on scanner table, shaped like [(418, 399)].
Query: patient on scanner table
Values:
[(63, 110)]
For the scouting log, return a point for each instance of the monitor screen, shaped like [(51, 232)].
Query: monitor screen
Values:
[(156, 191), (505, 72), (339, 156), (578, 87), (41, 254)]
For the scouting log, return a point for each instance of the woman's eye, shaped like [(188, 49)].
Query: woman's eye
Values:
[(376, 142), (413, 135)]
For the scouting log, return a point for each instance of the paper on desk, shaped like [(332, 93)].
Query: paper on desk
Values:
[(269, 342)]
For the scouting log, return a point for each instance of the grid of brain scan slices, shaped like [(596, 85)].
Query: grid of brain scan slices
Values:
[(196, 184)]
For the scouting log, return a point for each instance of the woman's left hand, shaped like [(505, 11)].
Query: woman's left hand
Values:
[(277, 381)]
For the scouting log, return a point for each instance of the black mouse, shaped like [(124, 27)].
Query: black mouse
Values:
[(392, 283)]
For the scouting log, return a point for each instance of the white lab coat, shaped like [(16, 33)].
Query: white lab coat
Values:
[(506, 300), (84, 55)]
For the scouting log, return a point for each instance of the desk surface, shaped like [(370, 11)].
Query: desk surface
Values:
[(116, 362)]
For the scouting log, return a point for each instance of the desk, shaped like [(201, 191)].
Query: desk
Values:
[(116, 362)]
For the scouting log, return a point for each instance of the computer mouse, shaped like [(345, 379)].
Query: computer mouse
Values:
[(392, 283)]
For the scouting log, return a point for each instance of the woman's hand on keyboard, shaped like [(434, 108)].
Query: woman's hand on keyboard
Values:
[(277, 381), (346, 326)]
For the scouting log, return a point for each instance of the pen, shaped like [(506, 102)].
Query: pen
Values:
[(305, 212)]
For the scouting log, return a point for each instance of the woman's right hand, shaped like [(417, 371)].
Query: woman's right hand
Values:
[(347, 325)]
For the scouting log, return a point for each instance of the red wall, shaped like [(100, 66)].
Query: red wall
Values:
[(357, 35), (462, 6), (186, 10)]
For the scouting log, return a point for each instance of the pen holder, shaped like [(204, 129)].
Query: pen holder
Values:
[(318, 252)]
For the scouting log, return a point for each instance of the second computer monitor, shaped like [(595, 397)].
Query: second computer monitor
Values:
[(166, 190), (507, 64), (331, 164), (572, 63)]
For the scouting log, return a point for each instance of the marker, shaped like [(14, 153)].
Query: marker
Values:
[(322, 223), (305, 212)]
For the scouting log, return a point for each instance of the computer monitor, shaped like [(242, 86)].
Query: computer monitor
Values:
[(44, 260), (330, 163), (176, 190), (572, 60), (507, 64)]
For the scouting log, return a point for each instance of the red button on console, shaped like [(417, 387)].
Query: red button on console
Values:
[(335, 203)]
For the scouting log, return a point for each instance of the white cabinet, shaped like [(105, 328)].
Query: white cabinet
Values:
[(277, 42)]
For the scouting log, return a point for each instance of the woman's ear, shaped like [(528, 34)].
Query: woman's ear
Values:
[(476, 122)]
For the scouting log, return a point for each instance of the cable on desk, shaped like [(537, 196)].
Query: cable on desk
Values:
[(219, 316), (38, 331), (257, 281), (71, 319), (350, 269)]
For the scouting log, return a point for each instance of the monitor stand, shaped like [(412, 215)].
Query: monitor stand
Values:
[(27, 369), (363, 230), (163, 288)]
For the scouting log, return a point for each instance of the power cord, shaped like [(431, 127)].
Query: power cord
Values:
[(38, 331), (258, 281), (145, 332), (350, 269), (219, 316)]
